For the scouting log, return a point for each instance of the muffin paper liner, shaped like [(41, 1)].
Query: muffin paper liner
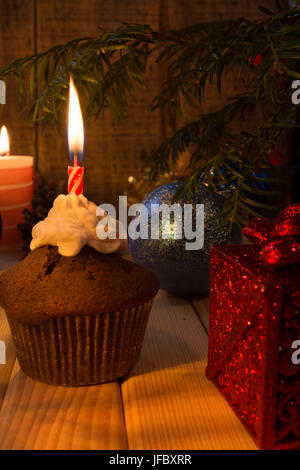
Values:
[(81, 349)]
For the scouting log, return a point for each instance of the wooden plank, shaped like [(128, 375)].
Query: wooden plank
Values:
[(39, 416), (16, 40), (168, 402), (5, 369), (113, 151), (201, 306), (7, 259)]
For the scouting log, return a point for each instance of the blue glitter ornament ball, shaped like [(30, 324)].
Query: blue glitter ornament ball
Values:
[(181, 271)]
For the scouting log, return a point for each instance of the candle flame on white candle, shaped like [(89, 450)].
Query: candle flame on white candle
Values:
[(4, 142), (75, 124)]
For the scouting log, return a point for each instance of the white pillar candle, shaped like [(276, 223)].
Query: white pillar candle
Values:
[(16, 190)]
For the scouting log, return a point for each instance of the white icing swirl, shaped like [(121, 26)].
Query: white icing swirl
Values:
[(71, 224)]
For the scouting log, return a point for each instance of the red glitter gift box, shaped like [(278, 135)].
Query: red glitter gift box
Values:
[(254, 323)]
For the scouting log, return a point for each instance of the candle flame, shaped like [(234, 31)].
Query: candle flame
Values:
[(75, 126), (4, 142)]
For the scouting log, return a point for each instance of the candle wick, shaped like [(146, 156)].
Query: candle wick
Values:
[(75, 160)]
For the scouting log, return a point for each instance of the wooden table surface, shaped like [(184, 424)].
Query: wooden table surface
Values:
[(165, 403)]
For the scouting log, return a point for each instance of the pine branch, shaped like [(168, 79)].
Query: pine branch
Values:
[(107, 70), (206, 134)]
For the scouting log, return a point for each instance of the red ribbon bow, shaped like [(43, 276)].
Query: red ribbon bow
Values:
[(280, 241)]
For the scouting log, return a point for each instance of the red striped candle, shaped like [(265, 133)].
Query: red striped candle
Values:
[(16, 190), (75, 181), (75, 141)]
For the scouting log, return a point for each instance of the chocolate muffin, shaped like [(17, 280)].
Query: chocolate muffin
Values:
[(77, 320)]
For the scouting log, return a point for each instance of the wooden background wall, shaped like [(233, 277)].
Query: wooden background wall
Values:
[(113, 152)]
